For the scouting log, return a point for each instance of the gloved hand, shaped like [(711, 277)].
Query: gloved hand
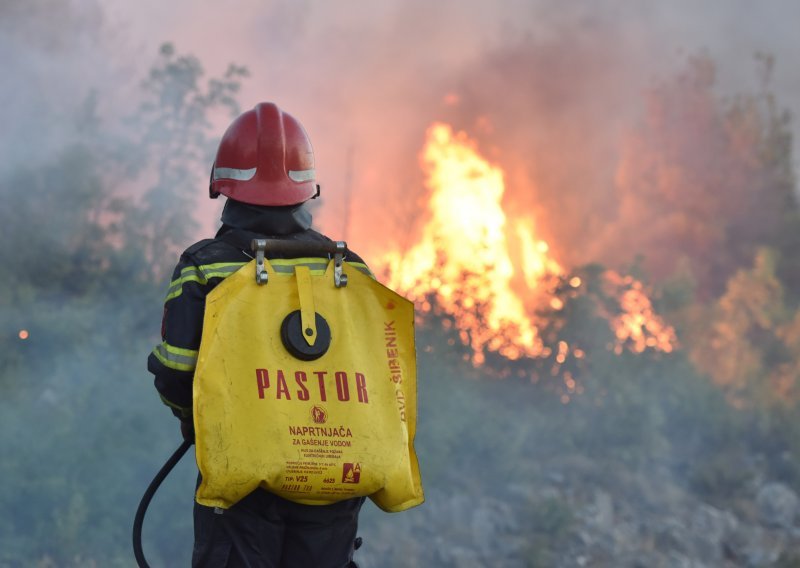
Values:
[(187, 430)]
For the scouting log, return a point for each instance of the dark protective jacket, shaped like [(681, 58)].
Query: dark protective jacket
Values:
[(262, 529), (200, 269)]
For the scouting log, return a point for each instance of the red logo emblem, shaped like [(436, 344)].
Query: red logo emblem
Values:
[(351, 473), (319, 415)]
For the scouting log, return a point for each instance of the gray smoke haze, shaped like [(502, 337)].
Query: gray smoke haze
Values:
[(548, 89), (366, 79)]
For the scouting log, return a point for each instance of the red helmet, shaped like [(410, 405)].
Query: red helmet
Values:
[(265, 158)]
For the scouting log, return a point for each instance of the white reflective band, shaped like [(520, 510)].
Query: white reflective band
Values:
[(233, 173), (302, 175)]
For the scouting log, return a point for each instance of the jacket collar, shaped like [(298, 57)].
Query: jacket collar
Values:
[(267, 221)]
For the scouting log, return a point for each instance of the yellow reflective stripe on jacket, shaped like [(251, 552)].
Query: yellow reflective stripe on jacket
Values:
[(362, 268), (176, 357), (286, 265), (184, 411), (316, 266), (201, 275)]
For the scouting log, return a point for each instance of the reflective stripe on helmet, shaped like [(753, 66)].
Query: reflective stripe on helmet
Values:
[(239, 175), (302, 175), (176, 358)]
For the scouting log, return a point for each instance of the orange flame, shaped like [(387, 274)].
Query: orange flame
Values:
[(463, 256), (463, 263), (637, 327)]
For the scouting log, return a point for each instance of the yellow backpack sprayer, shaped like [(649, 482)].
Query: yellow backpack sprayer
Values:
[(305, 385)]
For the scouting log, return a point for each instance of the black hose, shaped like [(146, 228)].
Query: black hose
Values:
[(148, 496)]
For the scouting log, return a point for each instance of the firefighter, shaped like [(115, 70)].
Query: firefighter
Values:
[(265, 168)]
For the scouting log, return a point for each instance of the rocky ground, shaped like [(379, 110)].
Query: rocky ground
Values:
[(582, 514)]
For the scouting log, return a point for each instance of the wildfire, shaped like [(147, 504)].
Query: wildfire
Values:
[(488, 272), (637, 327), (463, 256)]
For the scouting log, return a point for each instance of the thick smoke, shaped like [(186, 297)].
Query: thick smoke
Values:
[(53, 57), (548, 89)]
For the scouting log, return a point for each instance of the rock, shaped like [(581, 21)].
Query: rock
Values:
[(777, 505), (490, 519), (459, 557), (601, 511), (671, 536), (752, 546), (710, 527)]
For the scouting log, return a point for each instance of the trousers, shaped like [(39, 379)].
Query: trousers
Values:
[(266, 531)]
